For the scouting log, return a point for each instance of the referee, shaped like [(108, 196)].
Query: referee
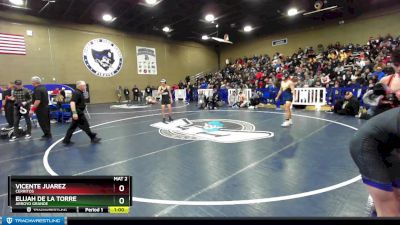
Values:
[(78, 106), (41, 106)]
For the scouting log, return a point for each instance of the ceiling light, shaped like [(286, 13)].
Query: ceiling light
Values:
[(166, 29), (107, 17), (205, 37), (17, 2), (151, 2), (247, 28), (292, 12), (210, 18)]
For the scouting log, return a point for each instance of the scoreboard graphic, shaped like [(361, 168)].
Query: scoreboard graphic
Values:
[(69, 194)]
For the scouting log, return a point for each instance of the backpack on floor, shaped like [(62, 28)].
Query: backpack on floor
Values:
[(7, 133)]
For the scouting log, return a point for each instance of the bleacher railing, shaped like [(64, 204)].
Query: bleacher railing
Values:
[(304, 96), (310, 97)]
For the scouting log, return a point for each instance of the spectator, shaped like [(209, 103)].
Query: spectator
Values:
[(23, 100), (181, 85), (175, 87), (8, 104), (126, 93), (60, 99), (136, 93), (148, 91), (254, 100), (347, 106), (189, 91), (202, 100), (62, 92), (56, 91), (203, 85), (233, 99), (379, 73), (243, 101), (213, 100), (119, 93)]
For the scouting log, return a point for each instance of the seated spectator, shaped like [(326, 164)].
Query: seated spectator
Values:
[(181, 85), (379, 73), (325, 80), (175, 87), (233, 99), (213, 100), (203, 85), (202, 100), (254, 100), (189, 91), (243, 101), (56, 91), (347, 106), (60, 99)]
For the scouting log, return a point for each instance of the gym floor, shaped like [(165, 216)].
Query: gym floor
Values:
[(302, 171)]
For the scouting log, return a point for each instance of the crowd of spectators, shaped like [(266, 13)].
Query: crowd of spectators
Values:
[(337, 65), (334, 66)]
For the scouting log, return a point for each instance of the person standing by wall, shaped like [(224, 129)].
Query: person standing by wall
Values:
[(126, 93), (41, 106), (189, 90), (136, 93), (119, 93), (78, 106), (22, 105), (8, 104), (149, 91)]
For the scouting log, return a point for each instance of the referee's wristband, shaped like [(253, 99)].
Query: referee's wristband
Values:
[(74, 112)]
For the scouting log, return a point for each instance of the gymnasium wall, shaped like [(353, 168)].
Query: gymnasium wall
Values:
[(355, 31), (55, 51)]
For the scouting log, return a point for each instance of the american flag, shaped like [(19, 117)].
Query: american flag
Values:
[(12, 44)]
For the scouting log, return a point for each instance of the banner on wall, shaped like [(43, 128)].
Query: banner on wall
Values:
[(146, 61), (102, 57), (280, 42)]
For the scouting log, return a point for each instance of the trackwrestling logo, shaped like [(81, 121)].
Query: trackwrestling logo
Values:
[(34, 220), (102, 57), (215, 130)]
